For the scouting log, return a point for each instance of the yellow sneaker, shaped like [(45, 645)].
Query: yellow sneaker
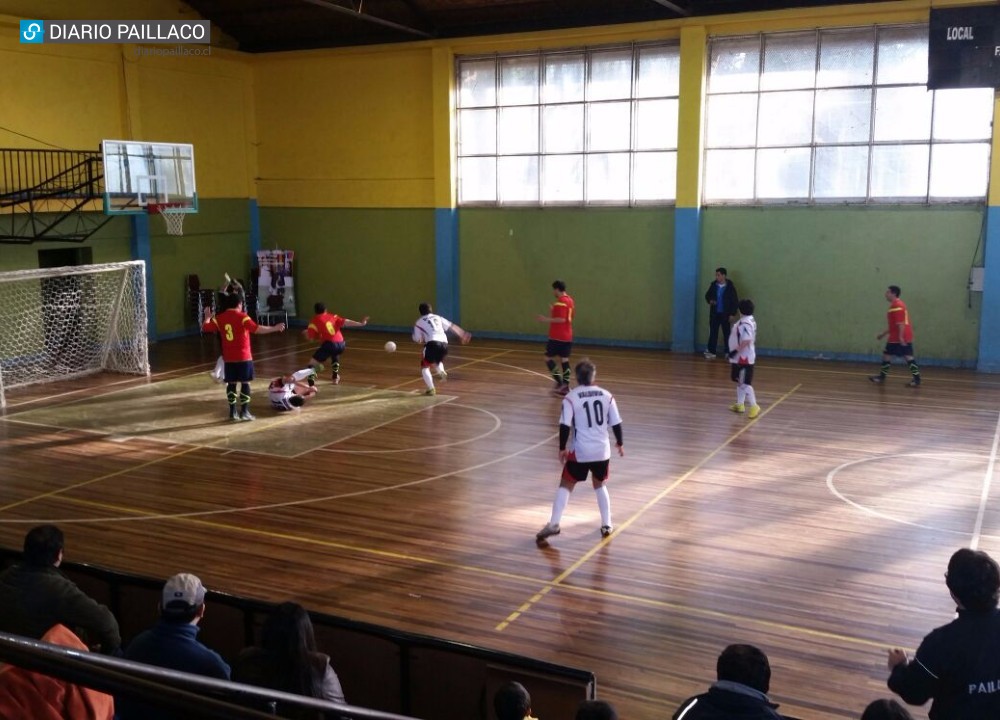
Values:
[(753, 412), (737, 408)]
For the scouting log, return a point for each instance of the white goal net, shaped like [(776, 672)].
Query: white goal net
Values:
[(61, 323)]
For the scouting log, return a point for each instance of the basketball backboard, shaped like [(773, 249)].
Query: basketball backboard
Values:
[(139, 174)]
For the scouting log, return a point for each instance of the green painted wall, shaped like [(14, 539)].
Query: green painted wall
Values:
[(112, 243), (375, 262), (616, 263), (215, 241), (818, 275)]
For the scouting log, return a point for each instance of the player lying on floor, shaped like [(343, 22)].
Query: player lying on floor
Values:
[(291, 391)]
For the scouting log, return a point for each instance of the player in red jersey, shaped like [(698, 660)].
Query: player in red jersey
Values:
[(326, 327), (560, 342), (235, 327), (900, 342)]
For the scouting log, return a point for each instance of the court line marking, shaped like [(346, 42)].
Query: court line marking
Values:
[(497, 424), (559, 580), (465, 363), (987, 482)]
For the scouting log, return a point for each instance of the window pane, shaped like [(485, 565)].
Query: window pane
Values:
[(960, 171), (902, 55), (655, 176), (519, 81), (734, 65), (655, 125), (610, 75), (607, 177), (841, 172), (899, 171), (963, 114), (477, 180), (564, 76), (846, 58), (783, 173), (789, 62), (518, 179), (518, 130), (785, 118), (562, 179), (659, 72), (843, 115), (477, 132), (562, 128), (609, 126), (903, 113), (729, 174), (477, 81), (732, 121)]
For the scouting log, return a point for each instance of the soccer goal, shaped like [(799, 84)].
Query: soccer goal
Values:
[(61, 323)]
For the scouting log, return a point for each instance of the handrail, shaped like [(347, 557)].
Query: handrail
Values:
[(195, 695)]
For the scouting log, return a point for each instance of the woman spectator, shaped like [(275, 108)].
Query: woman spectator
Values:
[(287, 660)]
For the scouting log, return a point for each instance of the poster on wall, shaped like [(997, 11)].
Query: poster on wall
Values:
[(276, 289)]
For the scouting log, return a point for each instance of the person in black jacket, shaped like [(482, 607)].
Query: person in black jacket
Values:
[(723, 301), (957, 666), (744, 676)]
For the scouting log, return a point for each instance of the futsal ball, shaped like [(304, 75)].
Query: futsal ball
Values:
[(390, 346)]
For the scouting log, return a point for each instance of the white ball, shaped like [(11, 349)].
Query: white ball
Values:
[(390, 346)]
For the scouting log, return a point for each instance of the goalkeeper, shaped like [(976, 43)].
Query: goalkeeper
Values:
[(235, 328)]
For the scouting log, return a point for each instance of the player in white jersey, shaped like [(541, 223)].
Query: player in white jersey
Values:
[(291, 391), (742, 355), (432, 332), (587, 413)]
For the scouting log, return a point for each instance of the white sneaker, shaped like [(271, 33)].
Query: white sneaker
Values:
[(546, 532), (606, 530), (442, 375), (709, 355)]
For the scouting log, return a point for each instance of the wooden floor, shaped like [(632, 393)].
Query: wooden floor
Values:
[(819, 531)]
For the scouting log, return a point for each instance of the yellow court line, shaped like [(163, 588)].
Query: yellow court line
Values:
[(514, 577), (559, 579)]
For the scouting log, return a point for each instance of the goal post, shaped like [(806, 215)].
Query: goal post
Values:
[(61, 323)]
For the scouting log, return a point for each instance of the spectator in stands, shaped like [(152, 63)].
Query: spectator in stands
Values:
[(744, 677), (596, 710), (957, 666), (35, 595), (287, 660), (512, 702), (886, 710), (173, 643)]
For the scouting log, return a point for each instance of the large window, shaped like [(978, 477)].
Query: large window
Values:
[(840, 116), (590, 126)]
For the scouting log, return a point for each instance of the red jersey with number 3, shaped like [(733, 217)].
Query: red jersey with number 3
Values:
[(898, 314), (235, 328), (326, 327), (562, 308)]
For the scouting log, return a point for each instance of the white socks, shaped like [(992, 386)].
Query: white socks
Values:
[(303, 374), (741, 393), (751, 396), (604, 503), (561, 501), (428, 381)]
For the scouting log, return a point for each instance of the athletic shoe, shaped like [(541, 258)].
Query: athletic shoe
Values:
[(606, 530), (245, 415), (753, 412), (557, 385), (442, 375), (737, 408), (563, 390), (915, 382), (546, 532), (234, 413), (709, 355), (336, 378), (877, 379), (431, 391)]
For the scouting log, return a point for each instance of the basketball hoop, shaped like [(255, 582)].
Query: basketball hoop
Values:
[(172, 214)]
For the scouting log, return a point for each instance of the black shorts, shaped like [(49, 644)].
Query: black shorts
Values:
[(741, 373), (899, 349), (578, 471), (435, 352), (239, 371), (329, 349), (558, 348)]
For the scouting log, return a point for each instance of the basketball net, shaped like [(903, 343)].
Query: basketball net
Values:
[(173, 217)]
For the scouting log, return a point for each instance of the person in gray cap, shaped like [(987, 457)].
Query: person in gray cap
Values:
[(173, 643)]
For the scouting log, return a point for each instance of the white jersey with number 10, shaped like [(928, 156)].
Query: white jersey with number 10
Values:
[(590, 410)]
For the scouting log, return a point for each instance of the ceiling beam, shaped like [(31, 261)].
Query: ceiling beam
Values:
[(683, 12), (327, 5)]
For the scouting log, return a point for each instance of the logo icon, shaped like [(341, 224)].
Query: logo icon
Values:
[(32, 31)]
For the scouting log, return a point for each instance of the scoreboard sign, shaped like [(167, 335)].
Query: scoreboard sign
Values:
[(964, 49)]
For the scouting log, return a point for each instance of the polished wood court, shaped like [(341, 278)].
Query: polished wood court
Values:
[(819, 531)]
